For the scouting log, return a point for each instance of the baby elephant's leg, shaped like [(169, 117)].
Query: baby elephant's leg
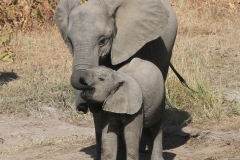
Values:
[(132, 134), (157, 150), (109, 137)]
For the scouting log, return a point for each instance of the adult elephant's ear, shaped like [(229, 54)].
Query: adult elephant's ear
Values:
[(62, 14), (126, 98), (137, 22)]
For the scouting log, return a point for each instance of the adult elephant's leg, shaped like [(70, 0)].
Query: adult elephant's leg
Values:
[(146, 142), (97, 117)]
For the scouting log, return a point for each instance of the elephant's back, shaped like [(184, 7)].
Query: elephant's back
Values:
[(151, 82)]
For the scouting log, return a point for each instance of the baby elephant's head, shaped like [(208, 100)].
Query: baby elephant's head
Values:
[(102, 82), (118, 91)]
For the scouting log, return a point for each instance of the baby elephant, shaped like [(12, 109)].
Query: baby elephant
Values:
[(132, 97)]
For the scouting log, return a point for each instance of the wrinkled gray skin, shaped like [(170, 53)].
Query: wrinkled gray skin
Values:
[(98, 31), (133, 97)]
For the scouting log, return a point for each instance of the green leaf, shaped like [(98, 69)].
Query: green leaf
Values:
[(35, 13), (3, 55), (7, 58), (5, 37), (10, 50)]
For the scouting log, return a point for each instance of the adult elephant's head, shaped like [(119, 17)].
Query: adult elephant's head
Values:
[(97, 28)]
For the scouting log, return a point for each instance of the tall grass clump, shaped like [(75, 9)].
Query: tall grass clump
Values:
[(205, 103)]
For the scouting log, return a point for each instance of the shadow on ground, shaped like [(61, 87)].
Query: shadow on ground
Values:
[(6, 77), (91, 150), (174, 121), (173, 136)]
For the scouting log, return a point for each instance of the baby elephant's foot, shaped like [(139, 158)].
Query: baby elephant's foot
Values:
[(157, 157)]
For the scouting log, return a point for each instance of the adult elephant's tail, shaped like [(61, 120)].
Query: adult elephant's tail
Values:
[(184, 83)]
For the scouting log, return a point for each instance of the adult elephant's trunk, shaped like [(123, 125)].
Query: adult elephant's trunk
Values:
[(83, 59), (79, 83), (78, 80), (85, 56)]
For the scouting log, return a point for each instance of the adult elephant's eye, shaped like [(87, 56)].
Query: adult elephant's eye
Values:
[(70, 42), (102, 41)]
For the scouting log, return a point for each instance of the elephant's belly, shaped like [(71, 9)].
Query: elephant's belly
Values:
[(153, 104), (152, 115)]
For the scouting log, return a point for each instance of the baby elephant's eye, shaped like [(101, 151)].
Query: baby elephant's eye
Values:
[(101, 78)]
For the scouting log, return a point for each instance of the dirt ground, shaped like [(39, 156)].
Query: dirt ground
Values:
[(46, 135)]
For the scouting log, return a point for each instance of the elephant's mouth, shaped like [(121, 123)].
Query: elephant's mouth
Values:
[(87, 94), (104, 57)]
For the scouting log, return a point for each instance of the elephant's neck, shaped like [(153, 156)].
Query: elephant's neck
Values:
[(107, 62)]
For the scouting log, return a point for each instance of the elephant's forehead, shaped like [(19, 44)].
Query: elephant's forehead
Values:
[(88, 12), (94, 21), (101, 71)]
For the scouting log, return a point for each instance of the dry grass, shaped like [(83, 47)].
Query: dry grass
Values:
[(205, 51), (207, 55), (26, 14), (43, 66)]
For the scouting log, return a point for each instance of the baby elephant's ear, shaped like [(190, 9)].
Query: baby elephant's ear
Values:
[(125, 98)]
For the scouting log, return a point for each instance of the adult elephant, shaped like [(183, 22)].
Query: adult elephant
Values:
[(111, 33)]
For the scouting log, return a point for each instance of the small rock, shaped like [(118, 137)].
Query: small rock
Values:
[(193, 132), (1, 141), (228, 142)]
